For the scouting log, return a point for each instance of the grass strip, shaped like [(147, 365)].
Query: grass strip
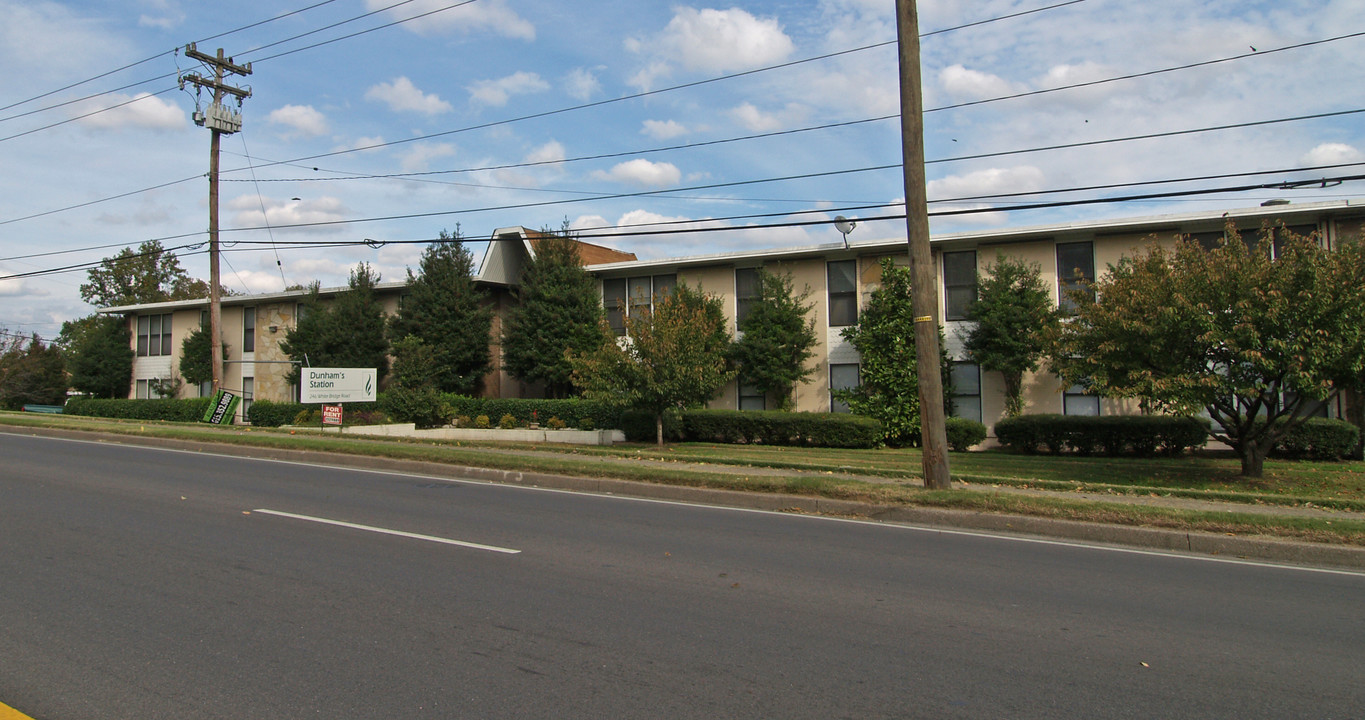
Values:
[(580, 464)]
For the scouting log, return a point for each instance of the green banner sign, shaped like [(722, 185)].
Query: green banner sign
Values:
[(222, 408)]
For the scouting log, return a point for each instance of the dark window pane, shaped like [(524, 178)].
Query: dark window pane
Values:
[(641, 295), (843, 276), (614, 301), (166, 335), (663, 286), (843, 310), (842, 377), (248, 329)]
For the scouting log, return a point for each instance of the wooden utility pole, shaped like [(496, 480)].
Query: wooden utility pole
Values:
[(220, 120), (924, 288)]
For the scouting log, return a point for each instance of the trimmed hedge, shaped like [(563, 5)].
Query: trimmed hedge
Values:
[(1114, 435), (963, 433), (264, 413), (768, 427), (1318, 439), (186, 410), (575, 412)]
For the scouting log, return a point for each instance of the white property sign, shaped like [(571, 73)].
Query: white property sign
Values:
[(336, 385)]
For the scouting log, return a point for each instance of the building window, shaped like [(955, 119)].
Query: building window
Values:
[(1077, 400), (1075, 267), (248, 329), (153, 335), (148, 389), (842, 376), (1312, 408), (248, 392), (842, 278), (634, 296), (748, 289), (966, 379), (206, 388), (750, 397), (959, 283)]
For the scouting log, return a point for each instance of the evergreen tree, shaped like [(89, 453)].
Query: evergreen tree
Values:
[(449, 315), (777, 339), (888, 373), (31, 373), (99, 355), (558, 310), (672, 357), (196, 362), (1013, 313), (348, 332)]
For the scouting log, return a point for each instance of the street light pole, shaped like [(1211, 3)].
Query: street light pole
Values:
[(924, 281)]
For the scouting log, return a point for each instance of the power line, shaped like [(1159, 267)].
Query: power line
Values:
[(937, 109), (1279, 185), (144, 61)]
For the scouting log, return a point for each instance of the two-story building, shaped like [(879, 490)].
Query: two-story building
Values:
[(840, 279)]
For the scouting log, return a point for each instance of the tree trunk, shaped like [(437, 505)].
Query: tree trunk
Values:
[(659, 429), (1253, 460), (1014, 393)]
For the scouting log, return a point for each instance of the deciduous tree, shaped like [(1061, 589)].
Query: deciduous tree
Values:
[(146, 275), (672, 357), (1253, 341)]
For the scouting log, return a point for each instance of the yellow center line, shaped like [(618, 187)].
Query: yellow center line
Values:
[(9, 713)]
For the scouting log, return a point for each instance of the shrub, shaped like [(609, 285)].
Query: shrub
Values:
[(555, 423), (508, 422), (175, 410), (964, 433), (264, 413), (573, 411), (1139, 435), (1318, 439), (482, 421), (638, 426), (773, 427), (425, 407)]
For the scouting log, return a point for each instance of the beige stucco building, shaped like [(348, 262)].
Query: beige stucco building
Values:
[(839, 278)]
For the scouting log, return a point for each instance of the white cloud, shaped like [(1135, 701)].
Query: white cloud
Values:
[(582, 84), (246, 212), (712, 41), (418, 158), (1331, 154), (1023, 178), (663, 129), (550, 152), (166, 15), (974, 84), (497, 92), (643, 173), (143, 110), (468, 18), (402, 96), (302, 119)]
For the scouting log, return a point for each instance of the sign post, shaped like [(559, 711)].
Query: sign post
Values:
[(331, 387)]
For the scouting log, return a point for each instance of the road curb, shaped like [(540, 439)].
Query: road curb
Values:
[(1209, 544)]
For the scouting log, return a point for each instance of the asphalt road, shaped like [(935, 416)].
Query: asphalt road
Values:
[(139, 583)]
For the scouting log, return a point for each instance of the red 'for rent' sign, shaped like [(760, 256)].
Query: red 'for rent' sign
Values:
[(331, 414)]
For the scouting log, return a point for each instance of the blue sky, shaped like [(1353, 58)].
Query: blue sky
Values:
[(456, 95)]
